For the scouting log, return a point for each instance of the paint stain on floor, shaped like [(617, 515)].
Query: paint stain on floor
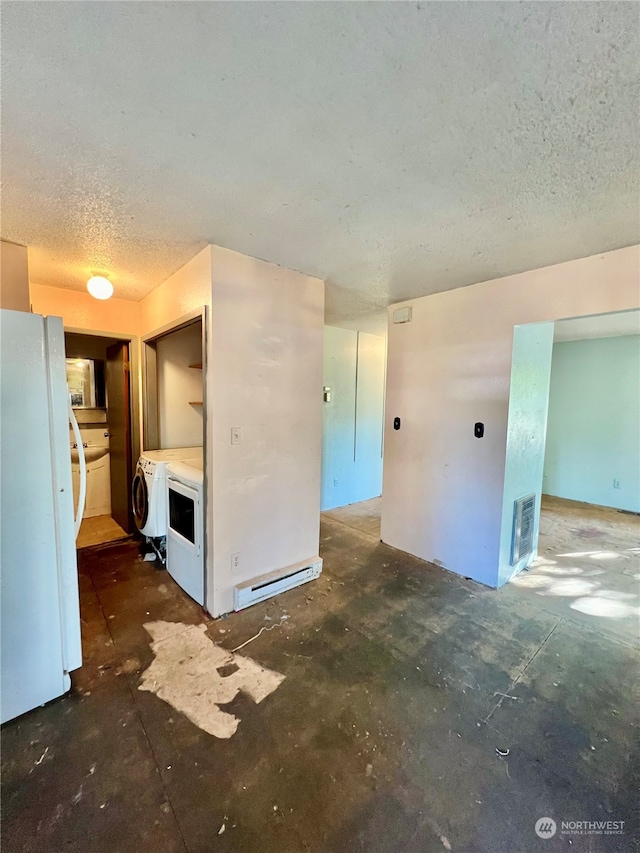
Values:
[(195, 676), (590, 533)]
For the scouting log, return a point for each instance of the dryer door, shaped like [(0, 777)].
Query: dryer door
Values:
[(140, 498), (184, 539)]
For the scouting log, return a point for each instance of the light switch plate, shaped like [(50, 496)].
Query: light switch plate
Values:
[(236, 435)]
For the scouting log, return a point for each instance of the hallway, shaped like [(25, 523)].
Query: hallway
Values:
[(419, 712)]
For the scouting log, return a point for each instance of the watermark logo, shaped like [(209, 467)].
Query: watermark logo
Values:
[(546, 827)]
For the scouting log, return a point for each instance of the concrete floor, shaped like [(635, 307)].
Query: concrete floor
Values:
[(419, 712)]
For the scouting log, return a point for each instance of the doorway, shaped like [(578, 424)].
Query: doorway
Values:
[(174, 387), (102, 395), (354, 385), (170, 485), (572, 448), (354, 368)]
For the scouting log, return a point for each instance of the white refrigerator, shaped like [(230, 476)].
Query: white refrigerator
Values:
[(39, 604)]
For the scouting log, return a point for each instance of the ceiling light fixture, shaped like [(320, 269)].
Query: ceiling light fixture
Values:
[(100, 287)]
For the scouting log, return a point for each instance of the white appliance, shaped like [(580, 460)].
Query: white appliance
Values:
[(149, 489), (185, 536), (40, 611)]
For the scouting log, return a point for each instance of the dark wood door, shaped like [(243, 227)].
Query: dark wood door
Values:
[(119, 417)]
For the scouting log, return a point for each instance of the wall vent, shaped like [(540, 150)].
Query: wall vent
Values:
[(523, 522), (403, 315), (265, 586)]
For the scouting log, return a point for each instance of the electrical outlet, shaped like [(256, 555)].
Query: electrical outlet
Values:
[(335, 482), (616, 484), (236, 435), (235, 561)]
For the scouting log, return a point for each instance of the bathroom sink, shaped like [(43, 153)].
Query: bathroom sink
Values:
[(91, 454)]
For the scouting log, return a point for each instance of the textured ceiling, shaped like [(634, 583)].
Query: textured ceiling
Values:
[(394, 149)]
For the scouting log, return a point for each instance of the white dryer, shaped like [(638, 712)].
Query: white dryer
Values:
[(185, 536), (149, 490)]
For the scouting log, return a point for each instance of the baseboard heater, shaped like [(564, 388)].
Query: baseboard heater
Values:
[(265, 586)]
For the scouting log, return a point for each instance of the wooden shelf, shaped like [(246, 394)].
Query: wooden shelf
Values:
[(196, 366), (196, 403)]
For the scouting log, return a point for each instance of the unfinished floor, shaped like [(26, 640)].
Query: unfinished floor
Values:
[(419, 711), (97, 530)]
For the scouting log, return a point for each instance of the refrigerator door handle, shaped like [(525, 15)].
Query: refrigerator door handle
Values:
[(83, 469)]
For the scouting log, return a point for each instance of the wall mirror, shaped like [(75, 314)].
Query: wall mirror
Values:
[(85, 378)]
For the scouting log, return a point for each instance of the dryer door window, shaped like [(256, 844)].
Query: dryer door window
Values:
[(140, 499), (182, 515)]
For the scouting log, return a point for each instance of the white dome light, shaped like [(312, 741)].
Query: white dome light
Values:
[(100, 287)]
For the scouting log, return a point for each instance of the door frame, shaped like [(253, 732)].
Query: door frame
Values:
[(122, 360), (135, 382), (150, 415), (151, 431)]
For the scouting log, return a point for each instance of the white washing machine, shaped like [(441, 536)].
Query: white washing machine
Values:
[(149, 489), (185, 536)]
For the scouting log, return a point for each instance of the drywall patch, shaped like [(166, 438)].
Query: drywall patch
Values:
[(187, 673)]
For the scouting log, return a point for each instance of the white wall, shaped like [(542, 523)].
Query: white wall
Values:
[(526, 433), (354, 370), (14, 277), (593, 435), (180, 386), (443, 488), (266, 369)]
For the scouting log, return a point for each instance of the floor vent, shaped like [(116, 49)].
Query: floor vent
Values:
[(273, 583), (523, 520)]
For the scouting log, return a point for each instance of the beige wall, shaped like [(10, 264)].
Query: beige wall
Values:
[(186, 290), (266, 369), (116, 317), (450, 367), (79, 310), (14, 277), (264, 375)]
